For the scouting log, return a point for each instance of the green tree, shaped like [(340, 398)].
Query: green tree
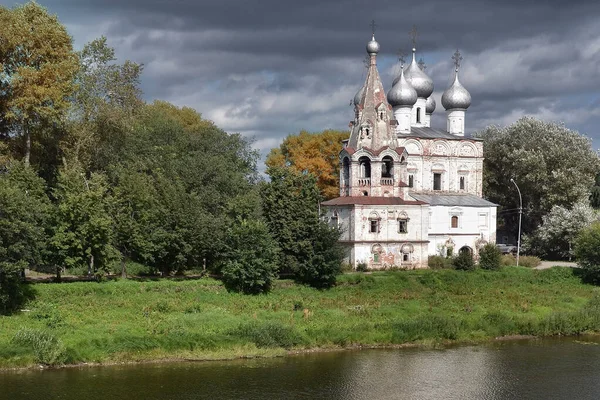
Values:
[(315, 153), (587, 252), (464, 261), (24, 212), (83, 227), (309, 247), (553, 166), (38, 66), (595, 193), (490, 257), (251, 258)]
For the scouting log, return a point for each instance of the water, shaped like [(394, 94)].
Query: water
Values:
[(531, 369)]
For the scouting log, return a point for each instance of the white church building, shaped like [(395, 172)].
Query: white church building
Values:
[(408, 191)]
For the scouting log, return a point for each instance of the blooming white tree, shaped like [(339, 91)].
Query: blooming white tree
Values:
[(559, 229)]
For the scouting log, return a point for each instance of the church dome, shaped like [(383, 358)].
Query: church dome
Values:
[(358, 96), (430, 105), (373, 46), (402, 93), (419, 79), (456, 96)]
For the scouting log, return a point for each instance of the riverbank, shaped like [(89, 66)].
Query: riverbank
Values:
[(130, 321)]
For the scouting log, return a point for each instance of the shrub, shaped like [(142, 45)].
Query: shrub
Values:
[(587, 251), (11, 288), (508, 260), (489, 257), (439, 262), (251, 265), (47, 349), (464, 261), (362, 267), (529, 261)]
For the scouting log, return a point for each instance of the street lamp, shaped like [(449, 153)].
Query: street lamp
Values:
[(520, 214)]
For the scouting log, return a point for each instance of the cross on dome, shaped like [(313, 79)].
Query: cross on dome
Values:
[(373, 26), (414, 33), (457, 59)]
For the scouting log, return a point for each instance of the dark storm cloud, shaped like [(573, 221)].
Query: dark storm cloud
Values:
[(270, 68)]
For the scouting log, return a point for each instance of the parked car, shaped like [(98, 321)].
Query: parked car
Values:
[(507, 248)]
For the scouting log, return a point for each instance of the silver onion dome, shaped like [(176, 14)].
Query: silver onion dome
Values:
[(358, 96), (418, 79), (402, 93), (430, 105), (373, 46), (456, 96)]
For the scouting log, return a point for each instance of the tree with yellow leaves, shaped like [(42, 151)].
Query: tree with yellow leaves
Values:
[(314, 153)]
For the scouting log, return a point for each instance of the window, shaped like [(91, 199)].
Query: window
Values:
[(483, 218), (462, 183), (402, 226), (454, 221), (437, 181), (376, 258), (365, 167), (418, 115), (405, 257), (374, 227), (333, 221), (387, 168), (411, 180)]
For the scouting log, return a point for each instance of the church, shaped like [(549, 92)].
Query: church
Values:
[(407, 190)]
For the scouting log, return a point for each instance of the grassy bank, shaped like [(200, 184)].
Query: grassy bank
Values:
[(134, 321)]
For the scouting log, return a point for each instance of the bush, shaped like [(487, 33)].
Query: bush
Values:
[(464, 261), (251, 265), (529, 261), (508, 260), (47, 349), (587, 251), (439, 262), (489, 257), (362, 267), (269, 335)]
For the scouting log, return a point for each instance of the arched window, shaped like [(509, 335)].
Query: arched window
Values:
[(418, 115), (334, 220), (365, 167), (454, 221), (374, 224), (346, 170), (387, 168), (461, 183)]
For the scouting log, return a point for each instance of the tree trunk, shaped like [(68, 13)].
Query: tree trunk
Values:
[(91, 265), (123, 268), (58, 277), (27, 146)]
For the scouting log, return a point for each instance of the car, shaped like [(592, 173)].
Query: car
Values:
[(507, 248)]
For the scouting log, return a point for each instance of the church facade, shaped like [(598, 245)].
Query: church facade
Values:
[(407, 190)]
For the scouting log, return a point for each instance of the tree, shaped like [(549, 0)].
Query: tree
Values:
[(309, 247), (314, 153), (587, 251), (83, 227), (24, 212), (553, 166), (38, 68), (489, 257), (595, 193), (464, 261), (251, 258), (559, 229)]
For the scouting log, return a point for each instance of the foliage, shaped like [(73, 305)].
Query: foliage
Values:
[(595, 193), (529, 261), (83, 228), (439, 262), (463, 261), (314, 153), (47, 349), (489, 257), (587, 251), (38, 70), (552, 165), (309, 246), (362, 267), (554, 238), (270, 334), (251, 265)]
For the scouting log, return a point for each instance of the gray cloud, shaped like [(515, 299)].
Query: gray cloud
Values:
[(270, 68)]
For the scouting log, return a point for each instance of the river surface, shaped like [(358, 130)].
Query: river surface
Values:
[(526, 369)]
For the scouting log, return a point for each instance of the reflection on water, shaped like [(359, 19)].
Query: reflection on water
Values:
[(532, 369)]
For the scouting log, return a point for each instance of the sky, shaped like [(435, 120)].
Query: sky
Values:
[(269, 68)]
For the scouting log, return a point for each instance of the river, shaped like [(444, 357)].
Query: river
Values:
[(567, 368)]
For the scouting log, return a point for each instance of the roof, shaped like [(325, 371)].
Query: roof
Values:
[(458, 199), (368, 200), (433, 133), (352, 150)]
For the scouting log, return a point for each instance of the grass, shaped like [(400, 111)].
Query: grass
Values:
[(123, 320)]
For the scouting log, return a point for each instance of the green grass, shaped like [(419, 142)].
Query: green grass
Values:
[(198, 319)]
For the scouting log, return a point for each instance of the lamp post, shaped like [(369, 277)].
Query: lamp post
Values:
[(520, 214)]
